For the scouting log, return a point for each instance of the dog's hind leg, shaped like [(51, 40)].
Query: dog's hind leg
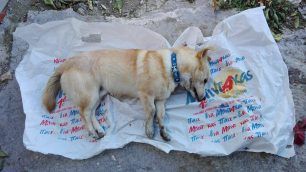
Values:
[(160, 113), (94, 119), (95, 122), (149, 108), (89, 112), (82, 89), (86, 116)]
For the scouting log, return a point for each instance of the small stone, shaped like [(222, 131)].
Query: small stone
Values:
[(6, 76), (114, 158), (81, 11), (103, 6), (90, 4), (98, 163), (302, 10)]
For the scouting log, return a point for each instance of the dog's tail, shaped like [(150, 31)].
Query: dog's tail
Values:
[(52, 89)]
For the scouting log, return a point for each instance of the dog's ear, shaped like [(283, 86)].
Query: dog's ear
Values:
[(203, 54)]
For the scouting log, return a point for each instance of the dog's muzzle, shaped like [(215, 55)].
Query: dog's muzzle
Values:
[(197, 96)]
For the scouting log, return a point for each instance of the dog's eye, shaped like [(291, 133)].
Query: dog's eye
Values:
[(205, 80)]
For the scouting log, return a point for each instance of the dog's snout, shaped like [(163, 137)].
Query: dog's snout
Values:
[(203, 99), (197, 96), (199, 99)]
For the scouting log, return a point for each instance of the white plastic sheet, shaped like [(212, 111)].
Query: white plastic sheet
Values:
[(249, 107)]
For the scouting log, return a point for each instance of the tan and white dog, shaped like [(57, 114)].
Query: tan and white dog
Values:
[(145, 74)]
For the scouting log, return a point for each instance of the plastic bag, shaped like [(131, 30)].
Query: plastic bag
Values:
[(249, 105)]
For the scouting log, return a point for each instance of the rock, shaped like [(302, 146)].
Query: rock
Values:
[(3, 54), (103, 7), (302, 10), (81, 11), (4, 57), (295, 2), (6, 76), (114, 158), (90, 4)]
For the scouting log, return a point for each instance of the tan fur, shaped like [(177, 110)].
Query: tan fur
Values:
[(50, 93), (162, 68), (143, 74)]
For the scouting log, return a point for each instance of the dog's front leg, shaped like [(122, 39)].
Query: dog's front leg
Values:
[(160, 113), (149, 108)]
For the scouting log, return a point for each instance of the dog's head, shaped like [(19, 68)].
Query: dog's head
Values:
[(194, 71)]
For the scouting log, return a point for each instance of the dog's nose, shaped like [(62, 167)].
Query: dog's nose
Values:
[(204, 98), (199, 100)]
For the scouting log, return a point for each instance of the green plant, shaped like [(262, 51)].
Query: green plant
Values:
[(118, 5), (277, 12)]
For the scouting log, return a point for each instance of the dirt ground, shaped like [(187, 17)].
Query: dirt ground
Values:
[(170, 18)]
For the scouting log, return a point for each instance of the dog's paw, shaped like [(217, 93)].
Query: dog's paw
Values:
[(100, 131), (164, 134), (100, 134), (93, 134), (150, 134), (149, 130)]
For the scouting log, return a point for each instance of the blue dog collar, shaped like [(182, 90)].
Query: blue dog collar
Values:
[(175, 71)]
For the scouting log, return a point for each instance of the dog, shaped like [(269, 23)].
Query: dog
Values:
[(150, 75)]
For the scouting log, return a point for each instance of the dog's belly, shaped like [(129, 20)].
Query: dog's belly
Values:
[(117, 79), (118, 88)]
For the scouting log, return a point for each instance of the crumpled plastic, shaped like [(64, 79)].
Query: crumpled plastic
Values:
[(249, 104)]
